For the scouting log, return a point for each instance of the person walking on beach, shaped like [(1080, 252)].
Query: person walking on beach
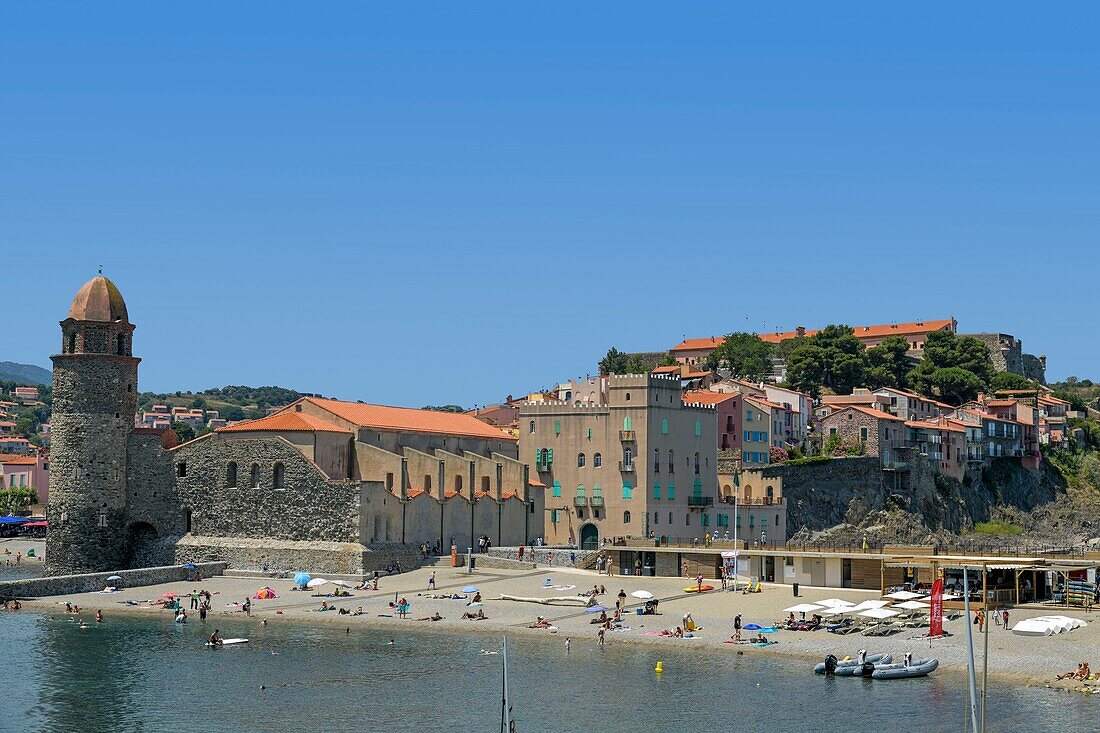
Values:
[(737, 627), (568, 642), (431, 581), (599, 637), (521, 553), (699, 582), (194, 600), (620, 603), (1004, 618)]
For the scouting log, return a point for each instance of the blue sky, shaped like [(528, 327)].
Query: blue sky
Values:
[(452, 202)]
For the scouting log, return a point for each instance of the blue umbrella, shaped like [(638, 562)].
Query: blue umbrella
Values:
[(470, 589), (302, 578), (752, 627), (13, 520), (595, 609), (189, 566)]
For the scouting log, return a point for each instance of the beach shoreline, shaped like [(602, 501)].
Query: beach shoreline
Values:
[(713, 612)]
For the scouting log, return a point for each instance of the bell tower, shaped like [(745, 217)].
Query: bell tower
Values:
[(94, 400)]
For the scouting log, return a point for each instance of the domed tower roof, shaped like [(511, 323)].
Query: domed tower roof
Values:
[(99, 300)]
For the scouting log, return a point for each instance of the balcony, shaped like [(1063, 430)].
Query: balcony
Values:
[(627, 436), (626, 467), (596, 501), (580, 501), (700, 501), (542, 467), (901, 466)]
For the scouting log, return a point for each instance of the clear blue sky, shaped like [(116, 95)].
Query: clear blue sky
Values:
[(452, 202)]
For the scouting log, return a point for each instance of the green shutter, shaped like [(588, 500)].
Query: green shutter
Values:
[(698, 428), (627, 490), (556, 489), (627, 424), (657, 491), (664, 426), (597, 491), (550, 456), (697, 487), (557, 427), (671, 490), (580, 490)]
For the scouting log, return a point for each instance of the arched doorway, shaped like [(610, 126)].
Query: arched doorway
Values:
[(590, 537), (142, 546)]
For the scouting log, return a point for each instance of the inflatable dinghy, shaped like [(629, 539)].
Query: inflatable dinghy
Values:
[(848, 667), (916, 668)]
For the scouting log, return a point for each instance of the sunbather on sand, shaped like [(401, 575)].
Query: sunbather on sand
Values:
[(540, 623), (434, 617), (479, 616)]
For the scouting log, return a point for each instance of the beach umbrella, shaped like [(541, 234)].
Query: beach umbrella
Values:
[(802, 608), (302, 578), (316, 583), (189, 566), (902, 595), (595, 609), (833, 602), (878, 613), (912, 606), (865, 605), (642, 594), (834, 611), (265, 594), (470, 589), (341, 583), (114, 577), (752, 627)]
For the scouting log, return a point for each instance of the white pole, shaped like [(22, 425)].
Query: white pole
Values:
[(736, 553), (970, 653)]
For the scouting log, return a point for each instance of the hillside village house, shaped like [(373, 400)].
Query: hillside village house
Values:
[(695, 351), (881, 433), (26, 471), (637, 462)]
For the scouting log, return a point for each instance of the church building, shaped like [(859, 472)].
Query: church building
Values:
[(321, 485)]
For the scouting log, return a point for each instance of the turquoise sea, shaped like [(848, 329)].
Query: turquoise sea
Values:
[(136, 674)]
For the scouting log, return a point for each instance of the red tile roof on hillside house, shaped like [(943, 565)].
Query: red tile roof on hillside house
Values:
[(708, 398), (285, 422), (935, 425), (868, 411), (10, 459), (863, 332), (697, 344), (407, 419), (765, 403), (1000, 403)]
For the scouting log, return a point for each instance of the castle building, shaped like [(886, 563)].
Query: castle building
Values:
[(319, 485), (633, 462)]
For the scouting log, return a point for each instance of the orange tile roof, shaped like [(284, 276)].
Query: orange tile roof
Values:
[(535, 482), (696, 344), (412, 493), (285, 422), (1000, 403), (708, 398), (931, 425), (383, 417), (868, 411), (9, 459), (667, 369), (765, 403)]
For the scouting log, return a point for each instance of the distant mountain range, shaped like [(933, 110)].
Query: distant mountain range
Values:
[(27, 374)]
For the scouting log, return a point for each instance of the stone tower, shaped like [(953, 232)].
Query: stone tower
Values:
[(94, 400)]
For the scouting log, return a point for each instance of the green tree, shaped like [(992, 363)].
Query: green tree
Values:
[(615, 362), (198, 403), (784, 348), (833, 358), (955, 384), (1008, 380), (744, 354), (888, 363), (185, 431), (944, 350)]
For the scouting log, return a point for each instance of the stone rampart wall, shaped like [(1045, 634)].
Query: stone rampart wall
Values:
[(87, 582)]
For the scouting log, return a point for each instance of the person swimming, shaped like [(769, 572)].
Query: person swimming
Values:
[(215, 640)]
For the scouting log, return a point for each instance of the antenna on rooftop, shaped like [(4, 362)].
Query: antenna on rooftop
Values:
[(101, 269)]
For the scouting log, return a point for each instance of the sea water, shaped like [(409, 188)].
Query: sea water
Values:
[(138, 674)]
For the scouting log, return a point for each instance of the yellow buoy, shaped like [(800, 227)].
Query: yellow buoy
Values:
[(660, 667)]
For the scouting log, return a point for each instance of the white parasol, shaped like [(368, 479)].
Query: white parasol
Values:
[(802, 608), (902, 595), (316, 583), (642, 594), (878, 613), (912, 606)]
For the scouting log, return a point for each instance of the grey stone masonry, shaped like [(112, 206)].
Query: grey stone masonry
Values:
[(307, 507), (94, 400), (89, 582)]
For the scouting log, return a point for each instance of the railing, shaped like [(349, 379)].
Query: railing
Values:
[(700, 501), (755, 501), (626, 467), (580, 501), (626, 435), (895, 466), (542, 467), (596, 501)]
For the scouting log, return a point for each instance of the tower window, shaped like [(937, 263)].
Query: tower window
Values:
[(181, 469), (279, 476), (120, 346), (231, 475), (427, 482), (187, 519), (254, 477), (72, 344), (458, 482), (485, 484)]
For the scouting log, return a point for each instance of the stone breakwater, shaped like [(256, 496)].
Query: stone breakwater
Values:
[(60, 585)]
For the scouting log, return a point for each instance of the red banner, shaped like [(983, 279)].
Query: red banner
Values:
[(935, 626)]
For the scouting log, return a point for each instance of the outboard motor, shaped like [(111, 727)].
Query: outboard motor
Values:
[(830, 664), (866, 669)]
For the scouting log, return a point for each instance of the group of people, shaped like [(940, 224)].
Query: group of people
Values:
[(1081, 673), (201, 602), (484, 543), (980, 618), (372, 584)]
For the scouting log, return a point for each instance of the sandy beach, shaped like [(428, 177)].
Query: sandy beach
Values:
[(1025, 660)]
